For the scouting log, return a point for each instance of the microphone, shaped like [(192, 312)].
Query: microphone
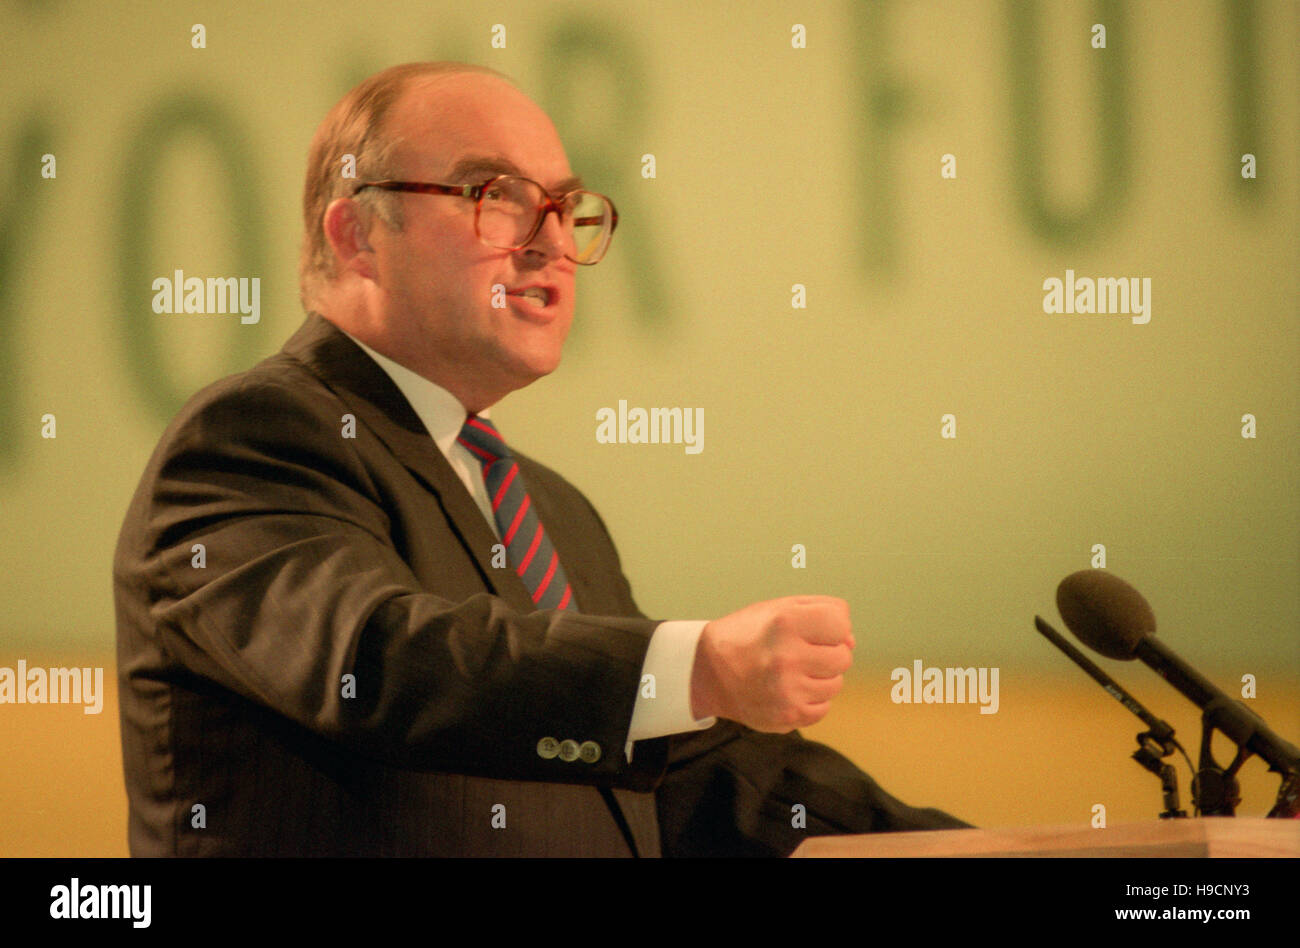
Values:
[(1161, 731), (1153, 745), (1111, 617)]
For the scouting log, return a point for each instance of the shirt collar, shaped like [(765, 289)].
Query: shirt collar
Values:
[(441, 412)]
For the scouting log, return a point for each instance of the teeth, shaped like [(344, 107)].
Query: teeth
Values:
[(537, 295)]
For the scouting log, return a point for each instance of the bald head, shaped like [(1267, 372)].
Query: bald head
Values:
[(356, 127), (476, 316), (463, 127)]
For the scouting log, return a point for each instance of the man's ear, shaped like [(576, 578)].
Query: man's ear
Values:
[(347, 228)]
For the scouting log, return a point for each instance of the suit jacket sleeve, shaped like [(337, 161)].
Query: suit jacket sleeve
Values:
[(731, 791), (298, 585)]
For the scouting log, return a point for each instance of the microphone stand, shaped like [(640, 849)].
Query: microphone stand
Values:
[(1215, 789), (1153, 745), (1288, 798), (1147, 756)]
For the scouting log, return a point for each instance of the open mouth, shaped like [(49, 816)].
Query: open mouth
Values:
[(539, 296)]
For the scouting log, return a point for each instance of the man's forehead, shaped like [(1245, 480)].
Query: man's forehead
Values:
[(476, 168), (468, 127)]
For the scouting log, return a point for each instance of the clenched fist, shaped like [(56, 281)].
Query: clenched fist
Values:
[(774, 665)]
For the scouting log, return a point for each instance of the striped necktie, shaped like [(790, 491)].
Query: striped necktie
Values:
[(527, 545)]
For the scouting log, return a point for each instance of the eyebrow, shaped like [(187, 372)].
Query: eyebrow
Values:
[(476, 166)]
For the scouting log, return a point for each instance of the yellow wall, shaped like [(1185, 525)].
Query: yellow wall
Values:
[(774, 166)]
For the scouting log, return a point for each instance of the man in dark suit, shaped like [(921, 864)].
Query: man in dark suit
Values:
[(352, 621)]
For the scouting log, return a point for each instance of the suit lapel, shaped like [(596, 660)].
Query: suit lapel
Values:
[(380, 405)]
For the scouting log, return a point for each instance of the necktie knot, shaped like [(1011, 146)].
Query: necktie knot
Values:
[(483, 440)]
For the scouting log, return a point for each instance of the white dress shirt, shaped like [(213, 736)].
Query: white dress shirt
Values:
[(663, 704)]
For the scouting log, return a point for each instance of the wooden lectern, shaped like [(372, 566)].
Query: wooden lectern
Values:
[(1211, 836)]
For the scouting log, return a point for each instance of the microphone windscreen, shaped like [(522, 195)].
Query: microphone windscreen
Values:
[(1105, 613)]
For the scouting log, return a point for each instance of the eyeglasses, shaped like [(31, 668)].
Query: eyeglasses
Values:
[(509, 211)]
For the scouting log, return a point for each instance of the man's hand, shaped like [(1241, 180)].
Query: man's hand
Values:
[(774, 665)]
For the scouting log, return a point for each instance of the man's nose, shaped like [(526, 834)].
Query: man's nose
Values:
[(552, 239)]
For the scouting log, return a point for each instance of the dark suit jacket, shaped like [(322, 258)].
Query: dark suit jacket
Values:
[(317, 657)]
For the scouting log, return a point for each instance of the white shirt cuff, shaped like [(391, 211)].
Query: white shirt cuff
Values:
[(663, 702)]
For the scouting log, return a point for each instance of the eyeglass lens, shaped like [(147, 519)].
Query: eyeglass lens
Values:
[(509, 211)]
